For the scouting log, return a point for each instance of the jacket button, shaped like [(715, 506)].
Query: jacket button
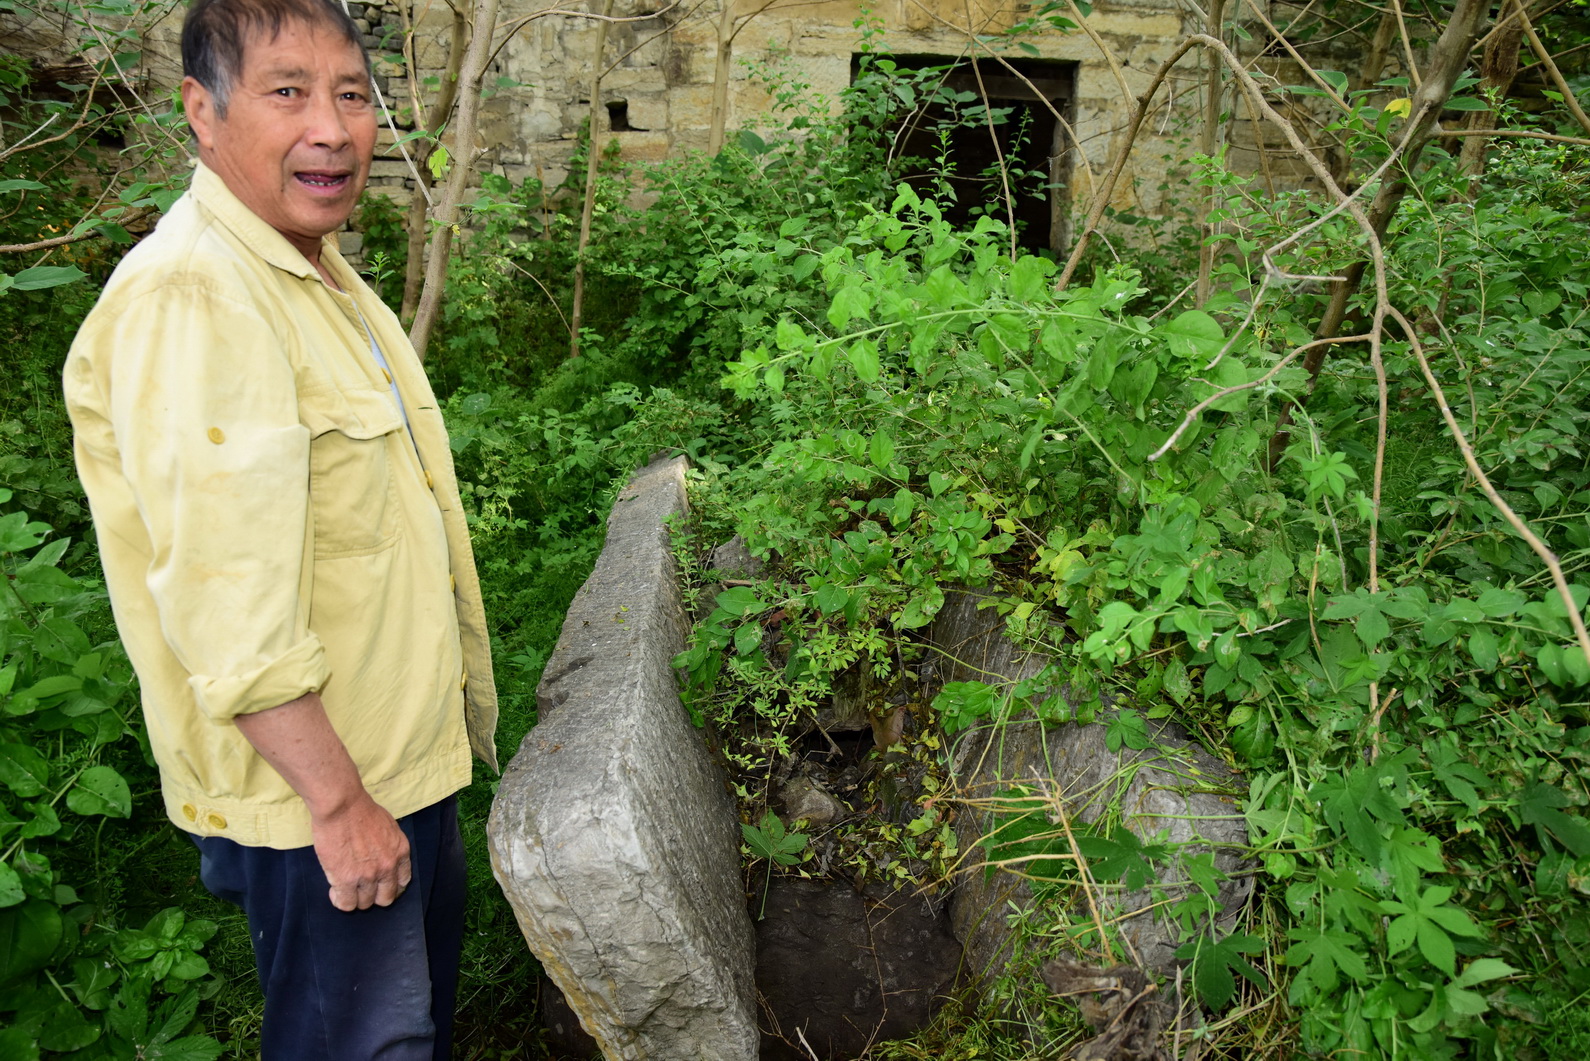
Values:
[(215, 821), (190, 812), (216, 435), (453, 582), (428, 480), (462, 682)]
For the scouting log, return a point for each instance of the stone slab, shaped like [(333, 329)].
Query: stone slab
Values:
[(612, 833), (1172, 789)]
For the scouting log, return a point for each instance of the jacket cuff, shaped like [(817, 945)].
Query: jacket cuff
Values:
[(301, 669)]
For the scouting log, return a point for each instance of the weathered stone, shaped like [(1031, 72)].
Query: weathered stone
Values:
[(841, 969), (805, 798), (1172, 790), (612, 834), (733, 559)]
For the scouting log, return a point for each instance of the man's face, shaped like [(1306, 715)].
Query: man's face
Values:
[(299, 130)]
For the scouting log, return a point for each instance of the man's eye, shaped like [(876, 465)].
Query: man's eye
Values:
[(286, 91)]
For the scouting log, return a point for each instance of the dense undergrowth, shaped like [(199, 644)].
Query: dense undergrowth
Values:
[(883, 405)]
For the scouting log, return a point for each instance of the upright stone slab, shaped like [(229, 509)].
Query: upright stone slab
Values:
[(1172, 788), (612, 834)]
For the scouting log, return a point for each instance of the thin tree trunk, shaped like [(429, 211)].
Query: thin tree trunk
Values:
[(447, 93), (1568, 98), (472, 72), (1379, 49), (1208, 139), (1498, 67), (720, 79), (1448, 57), (593, 159)]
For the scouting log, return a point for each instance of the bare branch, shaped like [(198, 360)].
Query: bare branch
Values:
[(1525, 134), (1193, 413), (77, 237), (1541, 549)]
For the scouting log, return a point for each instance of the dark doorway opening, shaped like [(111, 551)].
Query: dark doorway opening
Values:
[(951, 141)]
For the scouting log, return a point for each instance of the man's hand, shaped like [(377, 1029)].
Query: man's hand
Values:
[(365, 855)]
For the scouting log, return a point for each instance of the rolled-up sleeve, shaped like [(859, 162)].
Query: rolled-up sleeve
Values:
[(204, 410)]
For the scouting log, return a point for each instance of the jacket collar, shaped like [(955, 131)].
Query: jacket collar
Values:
[(211, 192)]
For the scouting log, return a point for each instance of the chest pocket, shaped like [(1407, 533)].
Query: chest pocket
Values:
[(352, 480)]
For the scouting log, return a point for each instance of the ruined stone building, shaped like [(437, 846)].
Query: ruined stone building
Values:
[(679, 74)]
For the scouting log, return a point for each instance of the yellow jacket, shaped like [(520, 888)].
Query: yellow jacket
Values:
[(269, 527)]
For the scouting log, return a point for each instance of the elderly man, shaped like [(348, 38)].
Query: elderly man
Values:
[(285, 549)]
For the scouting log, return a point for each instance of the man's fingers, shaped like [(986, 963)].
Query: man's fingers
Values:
[(345, 898)]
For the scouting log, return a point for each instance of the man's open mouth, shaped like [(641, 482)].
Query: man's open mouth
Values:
[(323, 180)]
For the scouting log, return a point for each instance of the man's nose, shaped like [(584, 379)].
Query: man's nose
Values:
[(328, 126)]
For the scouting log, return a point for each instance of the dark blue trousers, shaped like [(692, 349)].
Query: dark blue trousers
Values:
[(370, 985)]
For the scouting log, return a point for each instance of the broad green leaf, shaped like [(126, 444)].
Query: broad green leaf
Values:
[(1483, 647), (863, 357), (1193, 334), (1541, 806), (740, 600), (1121, 857), (24, 770), (1500, 603), (68, 1031), (19, 185), (44, 276), (188, 1048), (831, 598), (29, 934), (1129, 728), (18, 533), (944, 289), (959, 704), (101, 790), (748, 638), (10, 886), (850, 303), (882, 450), (1323, 952), (922, 607), (1436, 946), (1480, 970), (1029, 278), (1176, 682)]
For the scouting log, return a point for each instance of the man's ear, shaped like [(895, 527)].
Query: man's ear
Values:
[(198, 103)]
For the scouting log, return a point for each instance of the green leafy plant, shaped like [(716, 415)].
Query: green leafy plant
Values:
[(772, 841), (72, 979)]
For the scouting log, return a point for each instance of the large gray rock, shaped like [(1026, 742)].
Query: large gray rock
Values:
[(1173, 790), (612, 834)]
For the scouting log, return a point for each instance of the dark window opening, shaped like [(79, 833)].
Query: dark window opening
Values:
[(618, 117), (951, 148)]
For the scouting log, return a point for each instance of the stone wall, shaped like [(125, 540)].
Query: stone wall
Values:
[(662, 59), (664, 68)]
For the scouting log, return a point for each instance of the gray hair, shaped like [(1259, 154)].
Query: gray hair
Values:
[(216, 32)]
